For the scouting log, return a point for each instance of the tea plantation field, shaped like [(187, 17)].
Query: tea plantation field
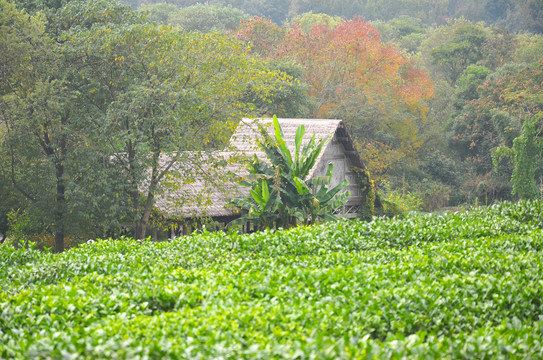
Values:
[(460, 286)]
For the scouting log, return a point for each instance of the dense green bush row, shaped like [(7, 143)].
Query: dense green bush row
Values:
[(465, 285)]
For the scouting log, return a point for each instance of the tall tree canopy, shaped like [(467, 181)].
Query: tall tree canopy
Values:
[(517, 15), (352, 75), (165, 92), (114, 102)]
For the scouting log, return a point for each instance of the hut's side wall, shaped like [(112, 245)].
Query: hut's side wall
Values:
[(343, 169)]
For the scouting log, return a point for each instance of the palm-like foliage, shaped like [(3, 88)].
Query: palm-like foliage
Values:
[(281, 193)]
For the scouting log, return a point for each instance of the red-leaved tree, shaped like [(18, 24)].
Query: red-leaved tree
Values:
[(354, 76)]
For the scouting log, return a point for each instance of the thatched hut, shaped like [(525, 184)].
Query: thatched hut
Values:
[(340, 151)]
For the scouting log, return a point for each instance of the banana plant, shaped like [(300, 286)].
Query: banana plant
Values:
[(281, 192), (261, 206), (319, 199)]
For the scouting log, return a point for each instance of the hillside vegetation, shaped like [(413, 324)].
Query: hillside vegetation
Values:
[(442, 100), (462, 285)]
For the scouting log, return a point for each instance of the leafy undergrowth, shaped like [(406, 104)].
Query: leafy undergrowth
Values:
[(465, 285)]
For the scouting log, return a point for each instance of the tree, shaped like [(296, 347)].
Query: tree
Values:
[(112, 105), (276, 10), (404, 32), (466, 86), (281, 192), (290, 100), (45, 115), (530, 49), (22, 40), (162, 92), (29, 107), (514, 89), (352, 75), (526, 150), (206, 18), (526, 15), (308, 20), (499, 117), (264, 35), (426, 10), (498, 48), (161, 13), (462, 49), (514, 94)]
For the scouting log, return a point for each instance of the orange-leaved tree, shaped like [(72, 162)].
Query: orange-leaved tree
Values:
[(354, 76), (262, 33)]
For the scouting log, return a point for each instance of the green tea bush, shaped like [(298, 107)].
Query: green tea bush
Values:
[(464, 285)]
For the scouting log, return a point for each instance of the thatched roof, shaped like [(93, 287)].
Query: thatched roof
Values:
[(200, 187), (244, 142), (247, 133)]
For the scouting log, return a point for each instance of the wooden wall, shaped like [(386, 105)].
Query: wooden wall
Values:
[(343, 169)]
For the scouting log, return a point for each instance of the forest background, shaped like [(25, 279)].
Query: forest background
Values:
[(444, 98)]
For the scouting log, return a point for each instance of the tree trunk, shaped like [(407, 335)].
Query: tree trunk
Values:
[(141, 229), (60, 210), (143, 222)]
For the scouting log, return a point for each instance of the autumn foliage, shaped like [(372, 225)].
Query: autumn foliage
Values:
[(354, 76), (263, 33), (350, 60)]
